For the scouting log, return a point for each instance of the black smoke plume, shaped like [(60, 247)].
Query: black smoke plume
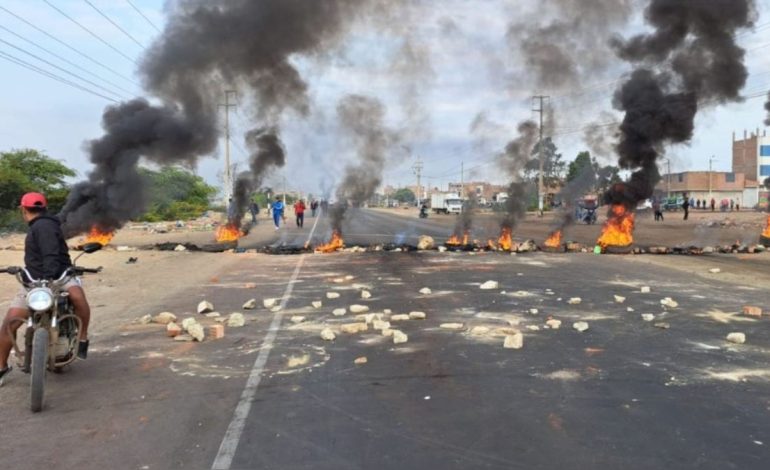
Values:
[(363, 119), (767, 108), (266, 151), (688, 60), (206, 47), (513, 160)]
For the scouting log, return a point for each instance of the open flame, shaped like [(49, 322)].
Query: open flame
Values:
[(454, 240), (96, 235), (334, 244), (766, 233), (505, 242), (554, 241), (228, 233), (619, 228)]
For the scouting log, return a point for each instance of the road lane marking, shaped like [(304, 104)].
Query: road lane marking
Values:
[(229, 445)]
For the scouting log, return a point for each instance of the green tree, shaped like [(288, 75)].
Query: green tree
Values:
[(553, 166), (606, 176), (404, 195), (175, 193), (582, 163)]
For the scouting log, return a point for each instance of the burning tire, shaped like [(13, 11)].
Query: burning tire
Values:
[(764, 241)]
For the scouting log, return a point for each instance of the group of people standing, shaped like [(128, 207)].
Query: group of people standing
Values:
[(277, 210), (696, 203)]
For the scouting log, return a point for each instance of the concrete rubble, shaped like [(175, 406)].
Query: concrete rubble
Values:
[(425, 291), (417, 315), (380, 325), (317, 304), (360, 361), (399, 337), (399, 317), (387, 332), (514, 341), (715, 270), (662, 325), (648, 317), (236, 320), (452, 326), (352, 328), (332, 295), (737, 338), (426, 243), (216, 331), (212, 315), (751, 311), (645, 290), (580, 326), (553, 324), (479, 330), (619, 299), (574, 301), (669, 302), (338, 312), (297, 319), (489, 285), (365, 294), (355, 308), (145, 319), (205, 307), (180, 248), (534, 311), (173, 330), (250, 304), (327, 334), (164, 318), (196, 331), (270, 303), (533, 327), (187, 322), (183, 338), (442, 249)]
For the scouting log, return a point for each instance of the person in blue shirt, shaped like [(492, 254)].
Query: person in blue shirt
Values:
[(277, 212)]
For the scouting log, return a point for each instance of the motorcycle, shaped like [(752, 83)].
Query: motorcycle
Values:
[(423, 213), (52, 335)]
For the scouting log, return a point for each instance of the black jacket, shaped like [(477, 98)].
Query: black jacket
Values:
[(46, 255)]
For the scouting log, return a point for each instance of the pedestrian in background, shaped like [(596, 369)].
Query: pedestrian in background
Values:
[(732, 205), (713, 204), (254, 211), (299, 212), (656, 210), (686, 207), (277, 212), (314, 207)]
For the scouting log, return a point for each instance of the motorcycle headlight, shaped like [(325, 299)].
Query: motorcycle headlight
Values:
[(39, 300)]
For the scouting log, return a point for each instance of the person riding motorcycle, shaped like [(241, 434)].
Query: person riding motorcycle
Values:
[(423, 211), (46, 256)]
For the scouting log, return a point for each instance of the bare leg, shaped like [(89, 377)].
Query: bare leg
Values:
[(5, 339), (82, 309)]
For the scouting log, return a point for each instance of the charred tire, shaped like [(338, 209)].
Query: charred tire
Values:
[(39, 367)]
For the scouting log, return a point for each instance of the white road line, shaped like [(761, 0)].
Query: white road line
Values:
[(229, 445)]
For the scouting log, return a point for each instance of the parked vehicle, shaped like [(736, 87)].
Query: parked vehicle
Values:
[(673, 203), (446, 203)]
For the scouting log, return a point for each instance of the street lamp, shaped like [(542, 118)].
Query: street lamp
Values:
[(711, 159)]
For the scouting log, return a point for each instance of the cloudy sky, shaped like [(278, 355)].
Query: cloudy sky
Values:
[(456, 76)]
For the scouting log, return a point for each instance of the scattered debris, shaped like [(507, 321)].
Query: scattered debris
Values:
[(425, 291), (662, 325), (145, 319), (553, 324), (180, 248), (205, 307), (297, 319), (270, 303), (349, 277), (426, 243), (417, 315), (196, 331), (399, 317), (365, 294), (442, 249), (317, 304), (737, 338), (338, 312), (360, 360), (187, 322), (574, 301), (751, 311), (250, 304), (452, 326), (648, 317), (327, 334), (352, 328), (216, 331), (619, 299), (399, 337), (479, 330), (358, 308), (183, 338), (645, 290), (380, 324), (515, 341), (629, 309), (173, 330), (297, 361), (581, 326), (669, 302), (533, 327), (332, 295), (164, 318), (236, 320), (534, 311), (489, 285), (387, 332), (715, 270), (387, 311), (212, 315)]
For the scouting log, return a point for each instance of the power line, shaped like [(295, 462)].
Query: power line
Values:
[(58, 68), (142, 15), (65, 60), (53, 76), (115, 24), (112, 70), (96, 36)]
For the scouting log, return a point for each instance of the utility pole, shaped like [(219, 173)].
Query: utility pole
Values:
[(284, 191), (710, 162), (540, 189), (417, 167), (228, 192), (668, 179), (462, 179)]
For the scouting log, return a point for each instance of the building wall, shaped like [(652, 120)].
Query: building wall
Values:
[(764, 158), (745, 154)]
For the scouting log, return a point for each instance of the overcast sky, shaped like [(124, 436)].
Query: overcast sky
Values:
[(468, 70)]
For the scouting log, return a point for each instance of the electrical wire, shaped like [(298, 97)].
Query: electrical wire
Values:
[(142, 15), (96, 36), (116, 25), (82, 54), (53, 76)]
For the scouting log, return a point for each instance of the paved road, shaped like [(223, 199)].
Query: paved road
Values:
[(624, 393)]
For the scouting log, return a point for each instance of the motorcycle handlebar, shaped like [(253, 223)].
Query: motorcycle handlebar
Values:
[(11, 270), (88, 270)]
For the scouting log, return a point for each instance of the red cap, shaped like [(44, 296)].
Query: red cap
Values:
[(31, 200)]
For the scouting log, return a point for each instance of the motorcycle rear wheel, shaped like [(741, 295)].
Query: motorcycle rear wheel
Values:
[(39, 367)]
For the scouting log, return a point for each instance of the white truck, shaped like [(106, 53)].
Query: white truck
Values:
[(446, 203)]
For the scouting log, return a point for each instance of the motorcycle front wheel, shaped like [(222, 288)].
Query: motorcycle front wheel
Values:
[(39, 367)]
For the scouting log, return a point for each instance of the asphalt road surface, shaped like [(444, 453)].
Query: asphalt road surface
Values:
[(273, 395)]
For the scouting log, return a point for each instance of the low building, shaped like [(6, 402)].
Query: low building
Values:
[(751, 156), (705, 185)]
